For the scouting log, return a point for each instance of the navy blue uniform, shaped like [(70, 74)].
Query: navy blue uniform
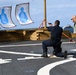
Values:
[(56, 33)]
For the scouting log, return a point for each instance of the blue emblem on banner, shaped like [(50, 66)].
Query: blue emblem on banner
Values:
[(22, 15), (4, 19)]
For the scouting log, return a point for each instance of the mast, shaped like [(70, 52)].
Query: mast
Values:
[(45, 23)]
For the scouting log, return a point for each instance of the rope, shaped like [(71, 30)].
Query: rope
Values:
[(41, 24), (71, 40)]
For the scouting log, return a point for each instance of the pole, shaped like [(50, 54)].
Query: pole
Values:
[(45, 23)]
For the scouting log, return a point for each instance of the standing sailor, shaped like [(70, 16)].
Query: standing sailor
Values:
[(74, 21)]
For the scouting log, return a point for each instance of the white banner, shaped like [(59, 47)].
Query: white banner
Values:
[(14, 16)]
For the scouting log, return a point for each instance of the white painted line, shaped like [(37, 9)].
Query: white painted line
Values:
[(46, 69), (21, 45), (19, 53), (36, 44), (73, 50), (68, 42), (7, 59), (27, 58), (2, 61)]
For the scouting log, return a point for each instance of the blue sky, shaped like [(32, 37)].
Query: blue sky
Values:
[(62, 10)]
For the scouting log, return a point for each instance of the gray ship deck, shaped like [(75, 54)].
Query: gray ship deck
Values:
[(23, 58)]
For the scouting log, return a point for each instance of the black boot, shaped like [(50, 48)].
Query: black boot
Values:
[(74, 55), (44, 55), (61, 54), (65, 54)]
